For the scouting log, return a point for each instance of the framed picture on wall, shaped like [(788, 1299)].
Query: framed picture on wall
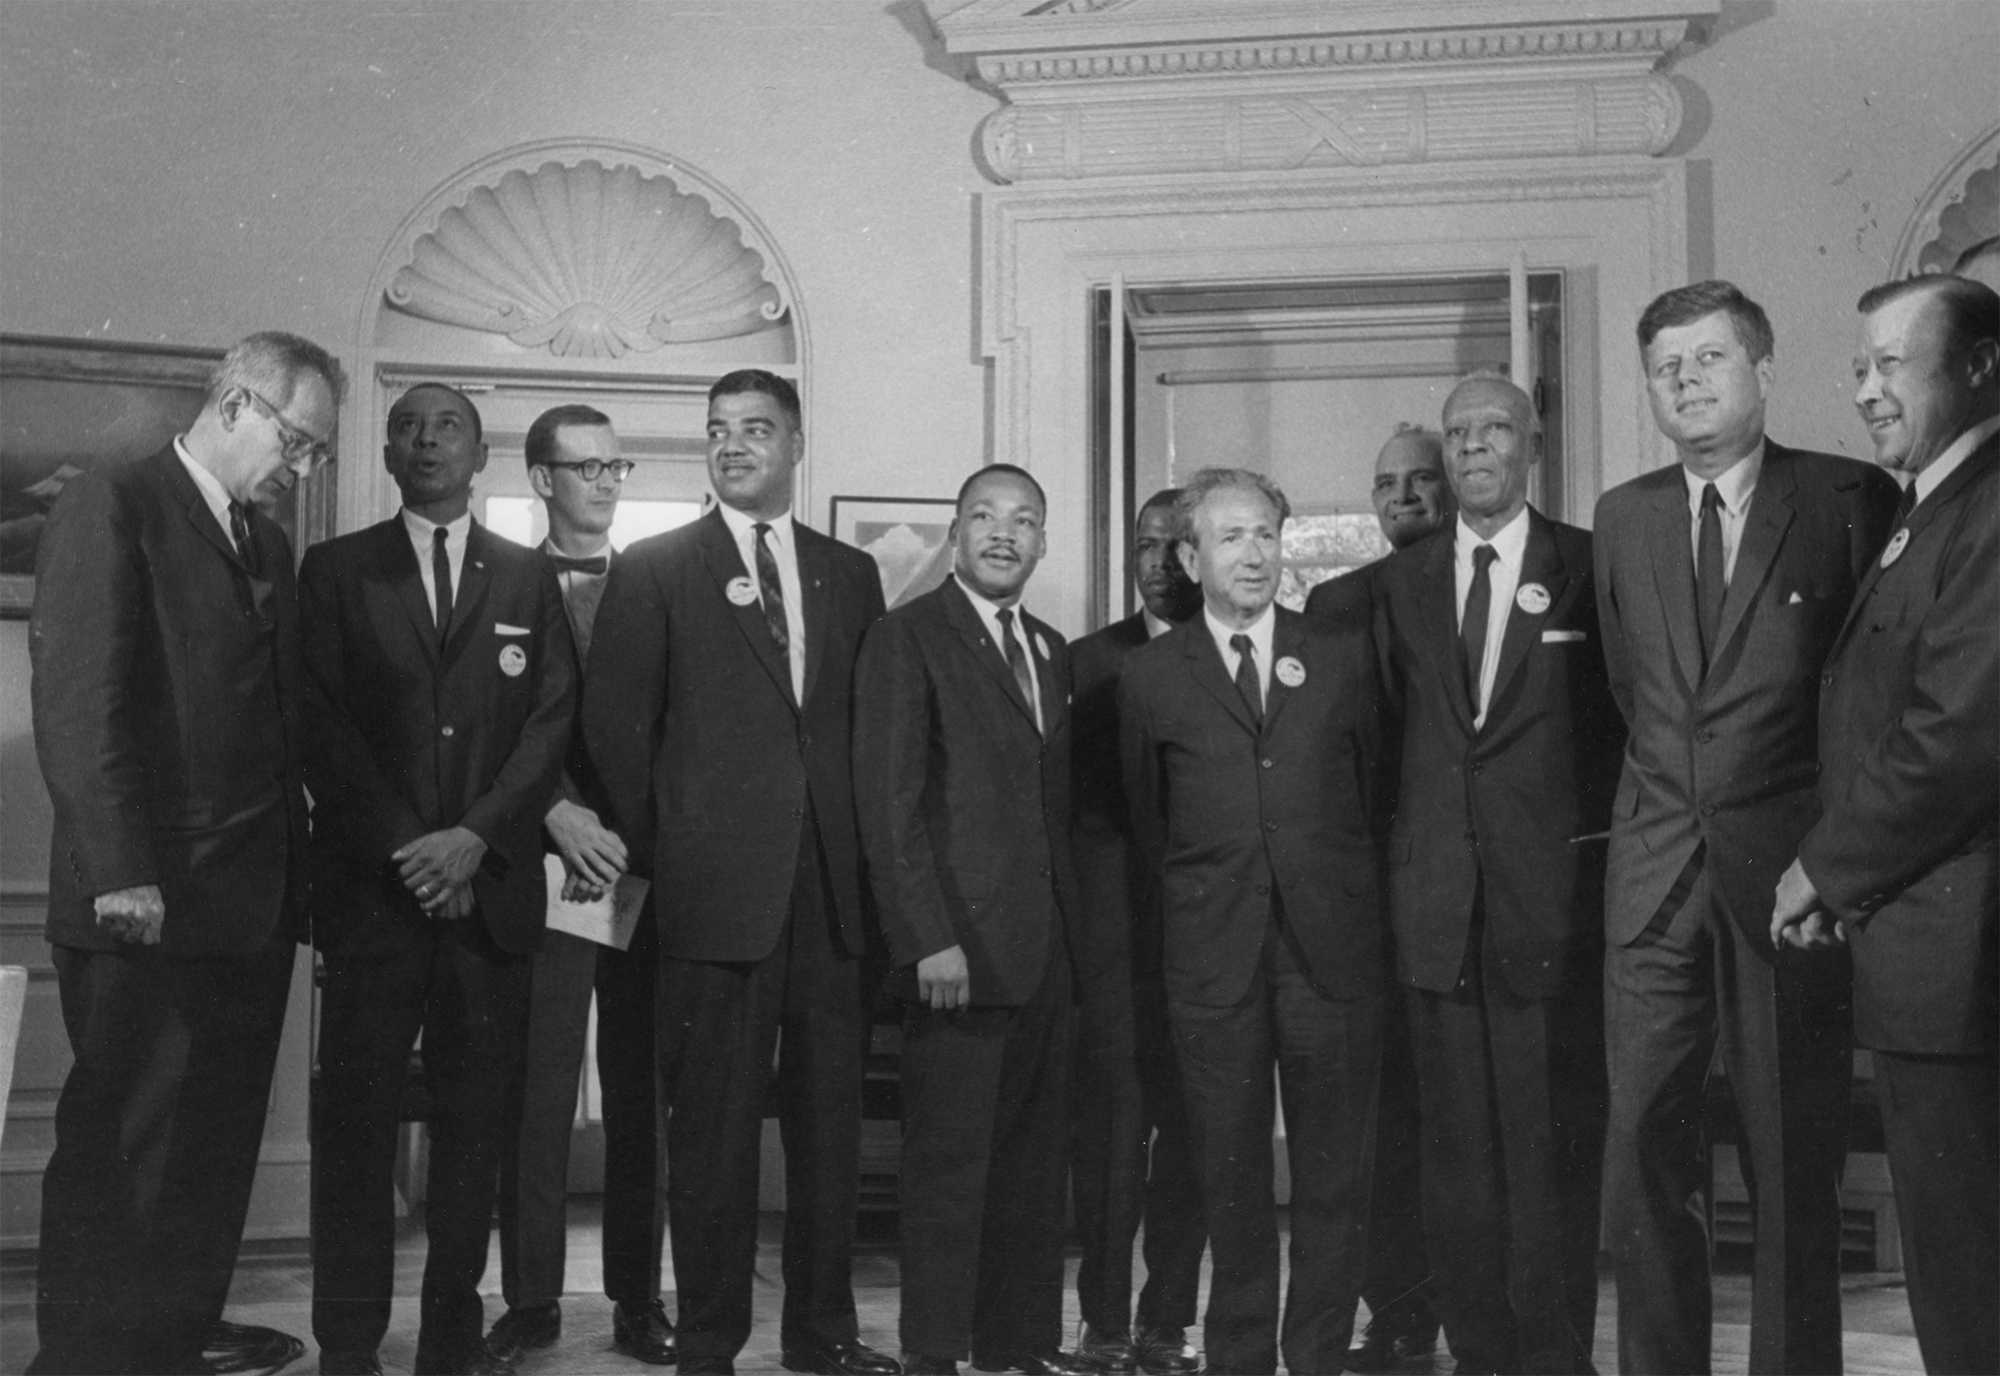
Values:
[(68, 405), (907, 536)]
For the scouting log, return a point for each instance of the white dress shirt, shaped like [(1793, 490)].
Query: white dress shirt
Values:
[(1260, 632), (455, 535), (1155, 628), (213, 492), (1941, 467), (785, 553), (1503, 578), (1736, 485), (989, 612)]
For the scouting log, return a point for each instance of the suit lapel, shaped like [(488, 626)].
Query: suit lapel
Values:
[(1288, 637), (1205, 663), (817, 612), (725, 566), (468, 599), (198, 513), (1437, 596), (1673, 573), (1054, 694), (398, 563), (971, 627), (1542, 564), (1771, 513)]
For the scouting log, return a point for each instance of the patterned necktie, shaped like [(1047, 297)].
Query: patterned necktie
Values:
[(1247, 682), (441, 576), (239, 531), (1017, 660), (1905, 504), (770, 589), (596, 565), (1472, 629), (1709, 579)]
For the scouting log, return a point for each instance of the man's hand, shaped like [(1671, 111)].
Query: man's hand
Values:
[(943, 980), (436, 863), (134, 914), (451, 904), (593, 855), (1797, 919)]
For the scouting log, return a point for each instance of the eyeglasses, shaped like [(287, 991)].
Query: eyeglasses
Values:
[(295, 444), (590, 470)]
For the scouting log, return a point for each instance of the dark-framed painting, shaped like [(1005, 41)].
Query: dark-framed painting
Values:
[(908, 537), (69, 405)]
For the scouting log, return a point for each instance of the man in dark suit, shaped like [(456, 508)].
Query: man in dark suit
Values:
[(717, 713), (441, 680), (1127, 1087), (167, 718), (1509, 748), (962, 768), (574, 467), (1904, 857), (1720, 584), (1412, 500), (1249, 742)]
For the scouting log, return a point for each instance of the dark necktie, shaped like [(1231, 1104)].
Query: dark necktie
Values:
[(1709, 580), (1472, 628), (1904, 505), (239, 531), (1247, 682), (441, 576), (1017, 660), (770, 589), (596, 565)]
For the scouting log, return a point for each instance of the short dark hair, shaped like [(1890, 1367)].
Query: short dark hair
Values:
[(1168, 497), (540, 446), (269, 363), (1209, 480), (1685, 305), (478, 422), (779, 389), (1971, 309), (1007, 468)]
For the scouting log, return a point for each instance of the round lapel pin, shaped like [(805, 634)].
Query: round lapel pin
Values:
[(1533, 599), (1897, 545), (741, 591), (513, 661), (1290, 672)]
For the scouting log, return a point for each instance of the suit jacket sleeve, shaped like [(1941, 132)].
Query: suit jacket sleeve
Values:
[(625, 700), (1928, 782), (526, 783), (88, 643), (892, 735)]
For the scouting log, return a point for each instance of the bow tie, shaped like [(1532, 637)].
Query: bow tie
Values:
[(595, 564)]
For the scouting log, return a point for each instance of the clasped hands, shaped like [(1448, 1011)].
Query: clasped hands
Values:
[(134, 914), (1797, 918), (593, 856), (438, 867)]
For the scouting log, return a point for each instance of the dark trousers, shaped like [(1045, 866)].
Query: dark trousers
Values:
[(1941, 1116), (1328, 1053), (720, 1026), (385, 983), (1513, 1142), (534, 1165), (1690, 978), (984, 1121), (1397, 1287), (1131, 1159), (157, 1133)]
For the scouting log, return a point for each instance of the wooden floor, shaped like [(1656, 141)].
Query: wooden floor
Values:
[(274, 1286)]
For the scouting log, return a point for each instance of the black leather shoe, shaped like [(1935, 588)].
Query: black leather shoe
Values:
[(706, 1366), (1165, 1352), (349, 1363), (916, 1364), (1054, 1362), (840, 1359), (519, 1331), (1111, 1351), (1384, 1349), (643, 1332)]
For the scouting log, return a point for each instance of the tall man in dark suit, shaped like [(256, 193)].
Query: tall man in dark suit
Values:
[(1127, 1086), (717, 712), (1249, 743), (574, 466), (1509, 748), (167, 721), (1412, 499), (1906, 855), (1720, 584), (962, 771), (441, 678)]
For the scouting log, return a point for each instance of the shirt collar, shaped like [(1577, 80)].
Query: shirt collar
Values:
[(212, 491), (1510, 542), (987, 607), (549, 547), (1260, 631), (1940, 468), (1734, 484), (420, 527), (743, 526), (1155, 628)]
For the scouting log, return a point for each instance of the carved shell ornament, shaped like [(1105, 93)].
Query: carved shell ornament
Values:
[(590, 262)]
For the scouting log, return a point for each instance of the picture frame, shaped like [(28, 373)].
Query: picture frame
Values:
[(908, 537), (68, 405)]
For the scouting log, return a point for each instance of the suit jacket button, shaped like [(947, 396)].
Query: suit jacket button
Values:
[(798, 813), (1269, 764), (1704, 736), (1826, 680), (805, 742), (446, 731), (1479, 769), (1263, 888), (1708, 809), (1270, 826)]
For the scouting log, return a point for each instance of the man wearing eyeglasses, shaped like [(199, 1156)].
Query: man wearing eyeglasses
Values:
[(165, 644), (573, 464)]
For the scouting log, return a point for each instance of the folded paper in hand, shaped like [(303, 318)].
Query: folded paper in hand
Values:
[(608, 921)]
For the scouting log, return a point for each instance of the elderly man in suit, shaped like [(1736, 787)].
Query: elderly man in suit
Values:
[(1721, 582), (1127, 1086), (1903, 858), (1249, 744), (717, 708), (441, 680), (962, 771), (1412, 500), (1509, 747), (165, 645), (574, 467)]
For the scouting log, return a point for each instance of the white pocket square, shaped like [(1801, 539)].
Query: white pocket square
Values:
[(1562, 637), (502, 628), (1794, 600)]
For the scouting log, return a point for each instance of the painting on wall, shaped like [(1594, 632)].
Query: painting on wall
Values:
[(907, 537), (67, 406)]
